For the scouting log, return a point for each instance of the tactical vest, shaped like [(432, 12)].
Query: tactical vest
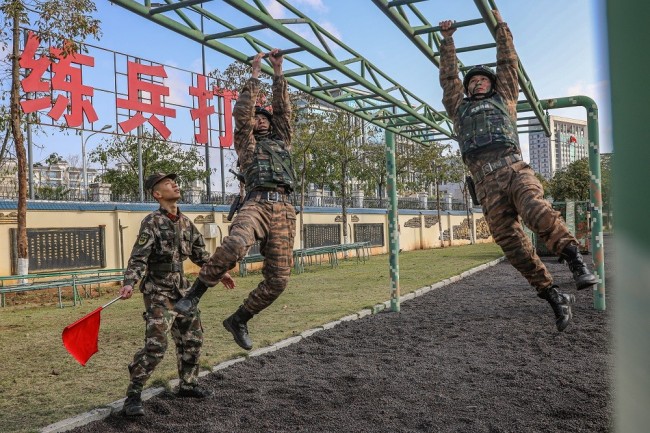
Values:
[(485, 123), (271, 167)]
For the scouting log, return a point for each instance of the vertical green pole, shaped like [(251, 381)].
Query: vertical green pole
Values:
[(627, 24), (393, 232), (595, 194)]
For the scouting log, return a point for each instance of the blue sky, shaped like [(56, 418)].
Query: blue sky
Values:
[(561, 43)]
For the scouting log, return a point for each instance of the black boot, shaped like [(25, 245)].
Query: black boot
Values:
[(581, 273), (561, 305), (133, 405), (187, 305), (196, 391), (236, 325)]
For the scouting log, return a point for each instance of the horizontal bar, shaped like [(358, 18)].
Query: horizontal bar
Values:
[(234, 32), (396, 3), (373, 107), (391, 116), (430, 29), (356, 97), (334, 86), (281, 53), (467, 68), (171, 7), (476, 47), (306, 71)]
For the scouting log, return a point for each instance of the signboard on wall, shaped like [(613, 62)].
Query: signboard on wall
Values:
[(373, 233), (321, 235), (54, 249)]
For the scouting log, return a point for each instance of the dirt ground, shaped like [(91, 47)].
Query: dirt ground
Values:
[(480, 355)]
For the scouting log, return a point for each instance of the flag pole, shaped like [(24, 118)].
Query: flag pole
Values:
[(114, 300)]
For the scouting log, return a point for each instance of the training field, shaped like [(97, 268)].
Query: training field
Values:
[(479, 355)]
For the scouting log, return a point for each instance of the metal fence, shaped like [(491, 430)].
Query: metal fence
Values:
[(10, 192)]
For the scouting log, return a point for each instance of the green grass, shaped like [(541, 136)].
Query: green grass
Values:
[(40, 383)]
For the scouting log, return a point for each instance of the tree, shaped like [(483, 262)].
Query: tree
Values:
[(54, 158), (305, 141), (157, 156), (59, 22), (342, 137), (572, 182)]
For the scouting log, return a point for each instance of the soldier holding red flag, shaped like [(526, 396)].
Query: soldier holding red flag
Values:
[(167, 237)]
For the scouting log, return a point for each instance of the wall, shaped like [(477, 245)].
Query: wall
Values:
[(418, 229)]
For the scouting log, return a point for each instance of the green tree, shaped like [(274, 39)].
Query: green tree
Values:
[(340, 143), (572, 182), (157, 156), (606, 161), (54, 158), (59, 22), (47, 192)]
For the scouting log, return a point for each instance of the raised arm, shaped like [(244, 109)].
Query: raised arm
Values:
[(244, 113), (281, 101), (452, 86), (507, 65)]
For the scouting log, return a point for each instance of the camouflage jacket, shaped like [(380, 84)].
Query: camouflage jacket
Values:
[(244, 114), (162, 243), (507, 86)]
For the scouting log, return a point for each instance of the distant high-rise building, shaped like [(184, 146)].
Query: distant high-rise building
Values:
[(567, 144)]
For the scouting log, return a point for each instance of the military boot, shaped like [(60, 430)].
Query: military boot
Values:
[(187, 304), (581, 273), (196, 391), (236, 325), (561, 305), (133, 405)]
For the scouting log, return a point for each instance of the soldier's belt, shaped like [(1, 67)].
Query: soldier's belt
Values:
[(166, 267), (489, 167), (272, 196)]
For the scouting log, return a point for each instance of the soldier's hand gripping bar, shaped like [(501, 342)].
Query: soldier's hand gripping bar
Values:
[(279, 53)]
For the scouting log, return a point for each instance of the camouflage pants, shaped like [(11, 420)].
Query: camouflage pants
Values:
[(508, 196), (274, 225), (187, 333)]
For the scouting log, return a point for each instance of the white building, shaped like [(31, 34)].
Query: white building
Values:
[(567, 144)]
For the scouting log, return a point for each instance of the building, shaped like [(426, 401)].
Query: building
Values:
[(60, 174), (568, 144)]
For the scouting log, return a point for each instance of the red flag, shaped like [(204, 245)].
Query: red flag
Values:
[(81, 337)]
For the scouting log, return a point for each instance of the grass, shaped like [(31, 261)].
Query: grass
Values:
[(40, 383)]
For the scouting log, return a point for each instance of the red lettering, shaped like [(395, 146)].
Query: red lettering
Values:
[(138, 102)]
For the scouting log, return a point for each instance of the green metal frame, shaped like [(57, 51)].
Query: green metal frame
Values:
[(425, 37), (335, 74), (352, 83)]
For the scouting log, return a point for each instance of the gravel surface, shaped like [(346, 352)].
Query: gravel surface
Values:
[(479, 355)]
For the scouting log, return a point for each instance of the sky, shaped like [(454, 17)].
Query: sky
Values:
[(561, 44)]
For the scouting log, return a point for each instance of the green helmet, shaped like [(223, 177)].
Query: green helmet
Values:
[(480, 70)]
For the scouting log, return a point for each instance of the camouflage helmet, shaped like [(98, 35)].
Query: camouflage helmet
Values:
[(480, 70), (263, 111)]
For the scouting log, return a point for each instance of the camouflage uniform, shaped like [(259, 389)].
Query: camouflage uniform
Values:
[(269, 219), (163, 243), (512, 191)]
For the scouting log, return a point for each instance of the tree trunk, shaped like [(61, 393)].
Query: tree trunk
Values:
[(442, 237), (470, 222), (17, 132), (344, 207), (303, 176)]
